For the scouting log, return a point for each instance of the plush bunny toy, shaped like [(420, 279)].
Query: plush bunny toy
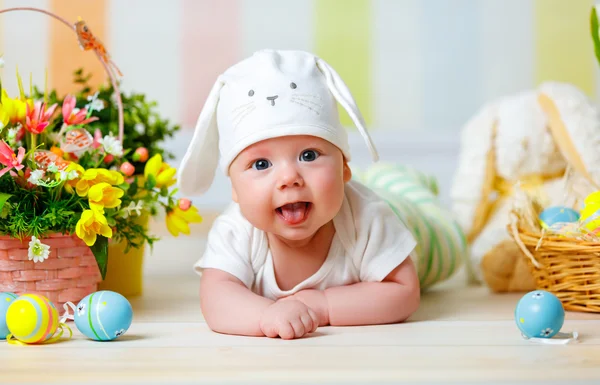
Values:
[(532, 137)]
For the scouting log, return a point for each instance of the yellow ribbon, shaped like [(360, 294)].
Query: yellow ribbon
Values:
[(532, 184), (61, 327)]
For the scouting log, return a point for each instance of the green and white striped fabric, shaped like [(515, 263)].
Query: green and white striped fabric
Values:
[(441, 244)]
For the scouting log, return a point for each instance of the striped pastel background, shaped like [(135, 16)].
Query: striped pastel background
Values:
[(412, 64), (418, 68)]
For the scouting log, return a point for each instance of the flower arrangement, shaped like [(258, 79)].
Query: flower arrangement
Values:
[(62, 170)]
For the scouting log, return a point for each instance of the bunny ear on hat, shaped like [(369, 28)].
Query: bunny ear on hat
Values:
[(342, 94), (198, 167)]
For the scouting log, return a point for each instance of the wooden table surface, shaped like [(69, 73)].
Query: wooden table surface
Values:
[(461, 334)]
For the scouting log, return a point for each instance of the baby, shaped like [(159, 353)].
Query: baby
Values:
[(303, 243)]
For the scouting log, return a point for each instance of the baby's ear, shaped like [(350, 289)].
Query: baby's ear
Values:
[(347, 172)]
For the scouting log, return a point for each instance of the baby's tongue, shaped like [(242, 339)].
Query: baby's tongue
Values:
[(293, 212)]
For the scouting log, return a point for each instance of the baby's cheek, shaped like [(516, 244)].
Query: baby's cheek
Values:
[(331, 191), (257, 208)]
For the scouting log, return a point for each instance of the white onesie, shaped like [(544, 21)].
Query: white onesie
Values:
[(369, 242)]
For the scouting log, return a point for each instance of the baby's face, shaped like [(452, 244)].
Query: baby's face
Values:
[(290, 186)]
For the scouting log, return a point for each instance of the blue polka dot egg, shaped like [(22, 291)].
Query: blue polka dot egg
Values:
[(539, 314), (5, 300), (558, 214), (103, 315)]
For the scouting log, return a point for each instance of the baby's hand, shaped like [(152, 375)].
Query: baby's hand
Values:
[(288, 319)]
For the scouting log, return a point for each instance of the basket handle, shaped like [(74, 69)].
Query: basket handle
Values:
[(517, 238), (87, 41)]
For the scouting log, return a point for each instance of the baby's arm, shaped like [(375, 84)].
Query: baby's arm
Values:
[(393, 300), (228, 306)]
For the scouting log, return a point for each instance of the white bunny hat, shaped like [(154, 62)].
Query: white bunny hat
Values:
[(270, 94)]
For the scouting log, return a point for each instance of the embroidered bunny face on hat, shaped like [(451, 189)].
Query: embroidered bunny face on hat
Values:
[(270, 94)]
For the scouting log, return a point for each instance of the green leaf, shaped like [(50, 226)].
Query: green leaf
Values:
[(111, 221), (150, 182), (100, 250), (3, 198), (595, 32)]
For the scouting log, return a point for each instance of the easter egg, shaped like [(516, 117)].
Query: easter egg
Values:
[(5, 300), (103, 315), (590, 214), (557, 214), (32, 318), (539, 314)]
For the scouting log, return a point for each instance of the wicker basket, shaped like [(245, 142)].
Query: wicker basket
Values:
[(69, 274), (565, 266)]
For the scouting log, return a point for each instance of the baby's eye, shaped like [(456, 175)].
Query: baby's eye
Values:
[(251, 93), (261, 164), (309, 155), (293, 85)]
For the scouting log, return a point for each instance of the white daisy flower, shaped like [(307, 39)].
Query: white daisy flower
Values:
[(36, 177), (139, 128), (96, 105), (112, 145), (12, 133), (137, 207), (546, 332), (119, 333), (68, 175), (81, 309), (52, 167), (91, 98), (37, 250)]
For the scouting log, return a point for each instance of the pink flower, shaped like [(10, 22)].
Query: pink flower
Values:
[(71, 115), (9, 159), (97, 138), (38, 118), (20, 134)]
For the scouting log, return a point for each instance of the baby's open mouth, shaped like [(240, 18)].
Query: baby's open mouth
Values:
[(294, 213)]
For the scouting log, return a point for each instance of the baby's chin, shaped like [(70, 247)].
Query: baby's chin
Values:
[(295, 235)]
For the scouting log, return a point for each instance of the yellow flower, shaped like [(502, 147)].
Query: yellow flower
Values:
[(90, 225), (94, 176), (103, 195), (161, 171), (178, 220), (13, 110), (70, 185), (4, 116)]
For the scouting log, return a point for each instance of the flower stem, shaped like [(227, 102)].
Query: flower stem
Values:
[(33, 144)]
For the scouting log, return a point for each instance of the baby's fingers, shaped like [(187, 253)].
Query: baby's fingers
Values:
[(299, 328), (310, 324), (270, 330), (315, 320), (286, 330)]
